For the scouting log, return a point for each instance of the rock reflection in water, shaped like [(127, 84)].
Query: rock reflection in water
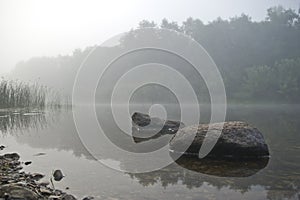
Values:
[(139, 136), (223, 168)]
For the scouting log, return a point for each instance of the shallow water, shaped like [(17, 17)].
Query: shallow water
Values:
[(54, 133)]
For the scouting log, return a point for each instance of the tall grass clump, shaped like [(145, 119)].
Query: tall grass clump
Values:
[(17, 94)]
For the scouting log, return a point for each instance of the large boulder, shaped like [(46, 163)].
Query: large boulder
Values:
[(237, 140)]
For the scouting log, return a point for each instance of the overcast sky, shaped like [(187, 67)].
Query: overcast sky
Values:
[(31, 28)]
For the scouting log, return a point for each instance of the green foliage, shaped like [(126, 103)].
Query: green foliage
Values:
[(279, 15), (280, 81)]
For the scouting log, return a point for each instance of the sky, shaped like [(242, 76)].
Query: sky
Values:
[(30, 28)]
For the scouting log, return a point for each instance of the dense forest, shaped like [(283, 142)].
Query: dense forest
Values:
[(259, 61)]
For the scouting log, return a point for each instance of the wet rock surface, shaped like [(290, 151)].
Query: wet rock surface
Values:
[(16, 184), (237, 140)]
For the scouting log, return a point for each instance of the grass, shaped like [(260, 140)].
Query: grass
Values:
[(17, 94)]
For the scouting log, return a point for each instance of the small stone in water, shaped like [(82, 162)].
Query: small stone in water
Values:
[(88, 198), (45, 191), (58, 175), (53, 197), (40, 154), (68, 197), (37, 176), (46, 183), (2, 147), (13, 156), (28, 163)]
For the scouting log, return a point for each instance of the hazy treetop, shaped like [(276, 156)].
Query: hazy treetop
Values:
[(48, 28)]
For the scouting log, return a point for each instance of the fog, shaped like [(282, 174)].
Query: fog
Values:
[(149, 99), (49, 28)]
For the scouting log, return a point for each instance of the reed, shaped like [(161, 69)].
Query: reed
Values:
[(17, 94)]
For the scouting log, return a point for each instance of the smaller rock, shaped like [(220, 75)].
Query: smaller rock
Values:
[(141, 119), (45, 183), (27, 163), (13, 156), (88, 198), (16, 192), (45, 191), (2, 147), (58, 175), (68, 197), (39, 154), (37, 176), (53, 197), (143, 123), (18, 168)]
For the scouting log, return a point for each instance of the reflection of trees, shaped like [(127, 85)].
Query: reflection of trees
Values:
[(277, 183)]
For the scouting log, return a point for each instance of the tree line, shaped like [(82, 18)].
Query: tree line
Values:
[(259, 61)]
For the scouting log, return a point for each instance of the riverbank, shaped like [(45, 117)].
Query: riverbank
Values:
[(16, 184)]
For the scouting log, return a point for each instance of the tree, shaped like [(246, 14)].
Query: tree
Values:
[(279, 15), (170, 25), (147, 24)]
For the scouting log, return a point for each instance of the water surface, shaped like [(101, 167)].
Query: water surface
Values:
[(54, 133)]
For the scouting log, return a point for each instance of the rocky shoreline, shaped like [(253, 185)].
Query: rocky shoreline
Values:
[(15, 184)]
